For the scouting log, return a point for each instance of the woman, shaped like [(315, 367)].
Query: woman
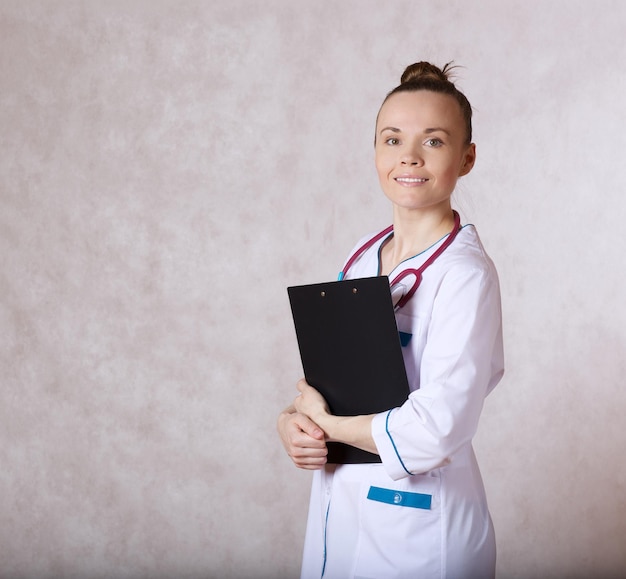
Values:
[(422, 512)]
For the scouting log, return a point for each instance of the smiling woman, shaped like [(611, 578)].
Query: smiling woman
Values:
[(421, 151), (422, 511)]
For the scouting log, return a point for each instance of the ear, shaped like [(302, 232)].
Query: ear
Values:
[(469, 158)]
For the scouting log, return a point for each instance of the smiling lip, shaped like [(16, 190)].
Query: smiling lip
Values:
[(410, 181)]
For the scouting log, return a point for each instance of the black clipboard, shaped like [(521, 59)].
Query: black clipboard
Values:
[(350, 350)]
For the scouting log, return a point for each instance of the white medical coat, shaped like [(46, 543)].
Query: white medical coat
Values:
[(454, 358)]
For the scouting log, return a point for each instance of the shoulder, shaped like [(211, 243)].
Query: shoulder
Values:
[(373, 237), (363, 259), (468, 253), (465, 266)]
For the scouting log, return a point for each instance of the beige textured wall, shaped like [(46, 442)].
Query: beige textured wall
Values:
[(168, 168)]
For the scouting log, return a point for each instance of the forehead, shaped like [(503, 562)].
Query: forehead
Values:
[(420, 110)]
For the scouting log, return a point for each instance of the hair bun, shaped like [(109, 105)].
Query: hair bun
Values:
[(426, 76), (421, 71)]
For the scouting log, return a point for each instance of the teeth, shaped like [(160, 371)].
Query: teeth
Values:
[(410, 180)]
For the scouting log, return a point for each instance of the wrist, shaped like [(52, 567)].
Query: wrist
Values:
[(353, 430), (329, 423)]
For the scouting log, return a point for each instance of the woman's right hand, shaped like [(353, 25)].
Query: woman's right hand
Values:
[(303, 440)]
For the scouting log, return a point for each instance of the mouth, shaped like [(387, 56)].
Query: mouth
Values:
[(410, 180)]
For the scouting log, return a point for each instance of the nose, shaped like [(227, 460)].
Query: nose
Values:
[(411, 157)]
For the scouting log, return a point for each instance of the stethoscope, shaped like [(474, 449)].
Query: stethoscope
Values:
[(409, 271)]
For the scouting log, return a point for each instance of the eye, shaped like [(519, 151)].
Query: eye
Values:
[(434, 142), (392, 141)]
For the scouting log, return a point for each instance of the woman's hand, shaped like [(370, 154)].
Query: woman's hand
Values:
[(352, 430), (303, 439), (305, 427), (310, 402)]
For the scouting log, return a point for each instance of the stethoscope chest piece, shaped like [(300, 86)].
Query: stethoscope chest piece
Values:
[(397, 292)]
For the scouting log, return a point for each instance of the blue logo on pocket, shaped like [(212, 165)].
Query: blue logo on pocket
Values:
[(402, 499)]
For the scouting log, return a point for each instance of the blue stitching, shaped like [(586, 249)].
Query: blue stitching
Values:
[(325, 528), (394, 444)]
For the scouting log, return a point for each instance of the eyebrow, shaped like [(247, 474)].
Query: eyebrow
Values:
[(426, 131)]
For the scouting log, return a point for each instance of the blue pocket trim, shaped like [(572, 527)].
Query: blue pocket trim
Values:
[(405, 338), (400, 498)]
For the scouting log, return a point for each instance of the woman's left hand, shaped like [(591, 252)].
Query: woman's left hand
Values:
[(310, 402), (352, 430)]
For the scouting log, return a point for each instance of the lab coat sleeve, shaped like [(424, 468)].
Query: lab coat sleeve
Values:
[(461, 362)]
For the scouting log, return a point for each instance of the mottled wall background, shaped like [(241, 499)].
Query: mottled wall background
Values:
[(168, 168)]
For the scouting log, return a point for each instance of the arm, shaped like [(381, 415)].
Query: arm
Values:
[(461, 361), (352, 430), (302, 438)]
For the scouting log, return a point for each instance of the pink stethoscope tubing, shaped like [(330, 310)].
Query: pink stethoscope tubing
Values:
[(409, 271)]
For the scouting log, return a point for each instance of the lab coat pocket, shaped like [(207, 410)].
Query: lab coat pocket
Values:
[(403, 522)]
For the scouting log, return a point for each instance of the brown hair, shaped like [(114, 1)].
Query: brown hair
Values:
[(426, 76)]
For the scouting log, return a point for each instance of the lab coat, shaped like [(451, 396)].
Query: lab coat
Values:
[(422, 513)]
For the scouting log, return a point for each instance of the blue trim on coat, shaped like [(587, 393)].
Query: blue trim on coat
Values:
[(394, 444), (325, 527)]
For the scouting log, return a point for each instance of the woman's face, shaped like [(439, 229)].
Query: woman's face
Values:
[(421, 149)]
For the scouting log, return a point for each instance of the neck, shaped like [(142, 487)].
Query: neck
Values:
[(414, 233)]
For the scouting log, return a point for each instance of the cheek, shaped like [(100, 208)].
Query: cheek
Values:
[(450, 169), (383, 171), (384, 163), (379, 168), (452, 173)]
